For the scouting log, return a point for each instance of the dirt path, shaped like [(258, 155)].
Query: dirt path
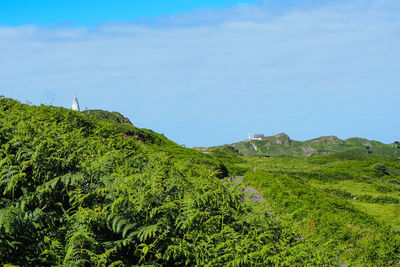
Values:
[(256, 196)]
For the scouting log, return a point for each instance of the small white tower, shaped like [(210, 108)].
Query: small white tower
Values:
[(75, 104), (249, 136)]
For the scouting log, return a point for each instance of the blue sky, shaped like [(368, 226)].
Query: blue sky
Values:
[(208, 72), (92, 12)]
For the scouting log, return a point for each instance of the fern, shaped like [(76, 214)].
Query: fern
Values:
[(128, 228), (147, 232)]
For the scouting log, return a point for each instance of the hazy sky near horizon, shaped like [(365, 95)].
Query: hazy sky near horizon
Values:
[(208, 72)]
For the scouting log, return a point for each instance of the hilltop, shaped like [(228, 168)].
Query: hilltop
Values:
[(282, 145), (107, 115)]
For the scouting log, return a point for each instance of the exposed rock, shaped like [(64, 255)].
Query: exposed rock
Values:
[(282, 135), (255, 147), (367, 144), (289, 142), (282, 138), (308, 151)]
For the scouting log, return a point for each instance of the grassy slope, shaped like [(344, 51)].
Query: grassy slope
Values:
[(282, 145), (348, 202)]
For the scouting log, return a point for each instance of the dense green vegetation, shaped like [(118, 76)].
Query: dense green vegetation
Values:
[(84, 190), (91, 189), (282, 145), (108, 116), (346, 203)]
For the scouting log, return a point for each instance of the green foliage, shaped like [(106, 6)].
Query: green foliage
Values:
[(108, 116), (78, 190), (83, 190), (346, 204)]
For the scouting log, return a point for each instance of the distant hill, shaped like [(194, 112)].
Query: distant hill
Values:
[(282, 145)]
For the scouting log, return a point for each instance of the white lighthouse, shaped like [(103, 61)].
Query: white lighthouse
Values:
[(249, 137), (75, 104)]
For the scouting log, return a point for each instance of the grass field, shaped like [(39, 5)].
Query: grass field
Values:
[(347, 203)]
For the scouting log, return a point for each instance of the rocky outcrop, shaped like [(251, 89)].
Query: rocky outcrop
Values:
[(308, 151), (255, 147), (282, 138)]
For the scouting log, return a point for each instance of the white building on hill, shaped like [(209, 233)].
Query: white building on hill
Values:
[(258, 137)]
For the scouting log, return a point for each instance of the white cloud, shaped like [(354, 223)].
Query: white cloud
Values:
[(251, 64)]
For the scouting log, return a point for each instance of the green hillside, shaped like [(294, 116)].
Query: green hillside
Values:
[(108, 116), (282, 145), (83, 190), (347, 203), (91, 189)]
